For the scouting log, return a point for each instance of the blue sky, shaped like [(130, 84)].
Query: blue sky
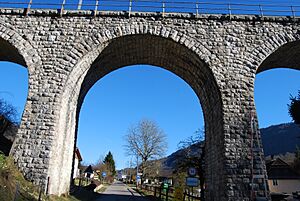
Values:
[(274, 7), (130, 94), (127, 95)]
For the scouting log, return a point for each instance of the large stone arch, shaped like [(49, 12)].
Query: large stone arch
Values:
[(286, 55), (18, 49), (276, 50), (14, 48), (181, 58)]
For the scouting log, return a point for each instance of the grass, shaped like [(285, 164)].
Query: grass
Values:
[(11, 179)]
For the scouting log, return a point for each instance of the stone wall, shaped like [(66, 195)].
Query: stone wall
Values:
[(217, 55)]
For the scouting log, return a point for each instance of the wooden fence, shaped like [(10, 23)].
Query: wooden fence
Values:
[(167, 194)]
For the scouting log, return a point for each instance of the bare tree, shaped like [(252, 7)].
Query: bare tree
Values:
[(192, 155), (8, 126), (8, 115), (147, 141)]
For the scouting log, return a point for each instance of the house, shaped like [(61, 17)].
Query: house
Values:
[(77, 160), (281, 177), (89, 172)]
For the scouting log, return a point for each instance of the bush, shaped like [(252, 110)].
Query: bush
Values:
[(178, 193)]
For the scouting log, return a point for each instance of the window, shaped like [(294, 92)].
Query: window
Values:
[(275, 182)]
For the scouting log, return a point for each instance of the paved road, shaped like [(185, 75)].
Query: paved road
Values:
[(120, 192)]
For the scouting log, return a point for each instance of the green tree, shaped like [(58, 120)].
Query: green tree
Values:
[(110, 163), (294, 108)]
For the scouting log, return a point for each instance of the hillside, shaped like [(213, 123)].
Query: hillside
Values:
[(279, 139)]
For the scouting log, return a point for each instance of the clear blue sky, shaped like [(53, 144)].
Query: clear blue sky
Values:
[(130, 94)]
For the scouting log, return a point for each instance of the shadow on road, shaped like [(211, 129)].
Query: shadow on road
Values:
[(83, 194), (114, 197)]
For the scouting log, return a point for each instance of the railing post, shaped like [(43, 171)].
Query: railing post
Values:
[(293, 12), (229, 10), (261, 11), (130, 7), (62, 8), (163, 8), (197, 9), (28, 8), (17, 192), (79, 5), (160, 189), (47, 186), (167, 194), (96, 8)]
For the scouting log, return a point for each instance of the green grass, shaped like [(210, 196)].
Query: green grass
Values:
[(10, 178)]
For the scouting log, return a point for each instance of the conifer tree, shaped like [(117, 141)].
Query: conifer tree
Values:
[(110, 163)]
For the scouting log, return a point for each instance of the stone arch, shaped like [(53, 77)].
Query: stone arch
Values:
[(18, 49), (181, 55), (14, 48), (286, 55), (276, 51), (279, 51)]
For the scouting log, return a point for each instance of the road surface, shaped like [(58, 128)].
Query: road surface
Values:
[(120, 192)]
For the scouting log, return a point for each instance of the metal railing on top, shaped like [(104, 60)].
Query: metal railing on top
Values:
[(244, 7)]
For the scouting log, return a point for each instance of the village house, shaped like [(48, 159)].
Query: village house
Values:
[(77, 160), (282, 178)]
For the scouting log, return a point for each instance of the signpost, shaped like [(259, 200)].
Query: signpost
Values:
[(192, 180), (192, 171)]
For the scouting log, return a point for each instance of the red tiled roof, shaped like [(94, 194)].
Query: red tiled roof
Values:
[(77, 154)]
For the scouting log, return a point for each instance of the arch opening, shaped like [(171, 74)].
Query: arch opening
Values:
[(155, 51), (10, 53), (13, 92), (131, 94), (277, 78)]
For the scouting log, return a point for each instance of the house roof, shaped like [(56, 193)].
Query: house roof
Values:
[(77, 154), (89, 169), (278, 169)]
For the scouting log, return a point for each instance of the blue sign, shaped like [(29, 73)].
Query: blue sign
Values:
[(138, 177), (103, 174), (192, 181)]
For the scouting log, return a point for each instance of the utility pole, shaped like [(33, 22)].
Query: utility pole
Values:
[(130, 170), (137, 169)]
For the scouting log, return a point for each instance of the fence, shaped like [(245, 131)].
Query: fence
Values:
[(40, 189), (167, 194), (246, 7)]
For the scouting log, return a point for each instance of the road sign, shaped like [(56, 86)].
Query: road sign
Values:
[(192, 181), (192, 171), (103, 174), (138, 177)]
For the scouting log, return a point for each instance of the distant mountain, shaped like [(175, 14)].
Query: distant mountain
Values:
[(279, 139)]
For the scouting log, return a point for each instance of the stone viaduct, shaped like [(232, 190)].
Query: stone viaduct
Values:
[(217, 55)]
